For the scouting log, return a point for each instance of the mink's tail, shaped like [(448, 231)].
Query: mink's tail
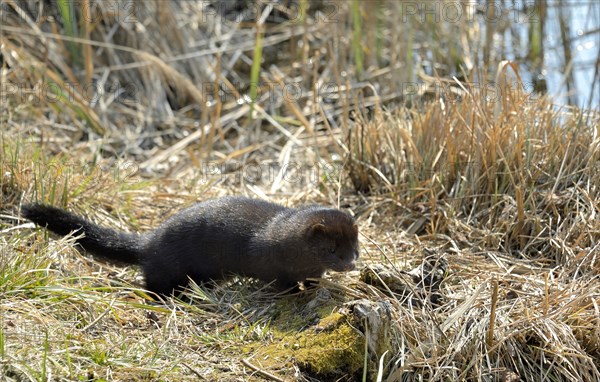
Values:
[(101, 241)]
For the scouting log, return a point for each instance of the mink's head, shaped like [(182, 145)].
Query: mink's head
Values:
[(333, 234)]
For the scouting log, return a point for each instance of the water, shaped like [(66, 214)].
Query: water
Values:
[(575, 82)]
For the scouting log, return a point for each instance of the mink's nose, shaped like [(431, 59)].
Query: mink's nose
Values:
[(349, 266), (352, 264)]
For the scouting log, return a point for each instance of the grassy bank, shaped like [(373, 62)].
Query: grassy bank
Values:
[(478, 213)]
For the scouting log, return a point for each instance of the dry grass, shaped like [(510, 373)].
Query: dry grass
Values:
[(479, 217)]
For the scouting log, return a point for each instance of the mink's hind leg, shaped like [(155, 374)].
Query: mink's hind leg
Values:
[(163, 285), (163, 278)]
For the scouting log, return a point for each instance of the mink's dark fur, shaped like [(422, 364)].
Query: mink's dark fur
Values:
[(221, 237)]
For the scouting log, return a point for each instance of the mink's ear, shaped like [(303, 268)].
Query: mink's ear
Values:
[(315, 229)]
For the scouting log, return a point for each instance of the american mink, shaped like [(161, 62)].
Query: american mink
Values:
[(218, 238)]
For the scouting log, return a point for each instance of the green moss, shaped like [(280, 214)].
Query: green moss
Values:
[(331, 321), (331, 347), (326, 353), (310, 331)]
